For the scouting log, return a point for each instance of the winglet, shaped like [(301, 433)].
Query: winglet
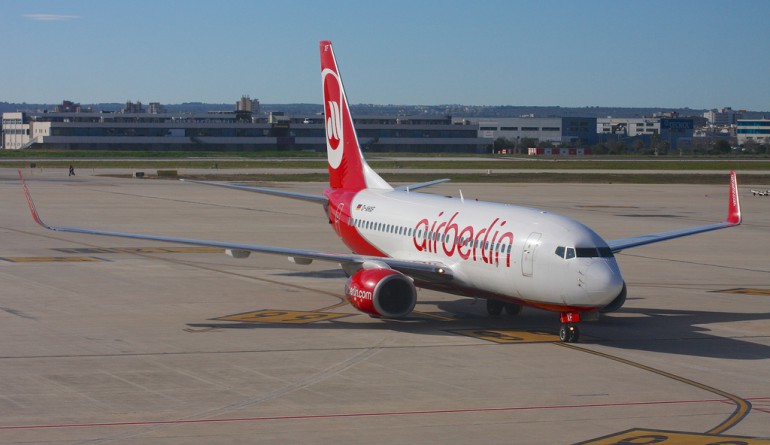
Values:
[(32, 208), (734, 210)]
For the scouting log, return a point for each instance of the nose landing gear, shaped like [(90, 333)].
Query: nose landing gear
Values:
[(569, 332)]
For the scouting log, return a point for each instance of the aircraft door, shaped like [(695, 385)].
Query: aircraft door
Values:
[(528, 254)]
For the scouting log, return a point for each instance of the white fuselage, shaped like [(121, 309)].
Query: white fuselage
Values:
[(498, 250)]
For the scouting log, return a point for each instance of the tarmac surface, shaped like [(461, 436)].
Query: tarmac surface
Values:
[(114, 341)]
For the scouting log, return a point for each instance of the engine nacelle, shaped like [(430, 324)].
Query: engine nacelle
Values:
[(381, 292), (617, 303)]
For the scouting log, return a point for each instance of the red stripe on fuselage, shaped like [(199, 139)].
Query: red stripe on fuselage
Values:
[(339, 212)]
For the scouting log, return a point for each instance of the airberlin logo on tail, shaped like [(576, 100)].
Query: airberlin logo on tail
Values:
[(335, 137)]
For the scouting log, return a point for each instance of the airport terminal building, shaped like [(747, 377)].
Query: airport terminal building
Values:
[(69, 127), (230, 131), (674, 130), (569, 131)]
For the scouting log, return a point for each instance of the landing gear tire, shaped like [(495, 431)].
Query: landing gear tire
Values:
[(512, 308), (569, 333), (495, 307)]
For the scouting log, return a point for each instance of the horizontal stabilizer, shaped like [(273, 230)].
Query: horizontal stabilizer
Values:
[(420, 185)]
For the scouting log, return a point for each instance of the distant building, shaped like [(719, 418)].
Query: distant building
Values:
[(534, 151), (16, 130), (724, 117), (557, 130), (757, 130), (228, 131), (673, 130), (156, 108), (68, 107), (247, 104), (132, 108)]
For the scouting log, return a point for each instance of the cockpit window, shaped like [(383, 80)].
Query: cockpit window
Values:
[(593, 252), (605, 252), (583, 252)]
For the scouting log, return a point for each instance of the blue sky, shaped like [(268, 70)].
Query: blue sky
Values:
[(652, 53)]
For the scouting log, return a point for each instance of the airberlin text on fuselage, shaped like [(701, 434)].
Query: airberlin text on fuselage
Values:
[(477, 244)]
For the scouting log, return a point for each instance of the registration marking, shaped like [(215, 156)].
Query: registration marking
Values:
[(283, 317), (644, 436)]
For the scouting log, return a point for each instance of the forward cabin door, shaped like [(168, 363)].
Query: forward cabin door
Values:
[(528, 255)]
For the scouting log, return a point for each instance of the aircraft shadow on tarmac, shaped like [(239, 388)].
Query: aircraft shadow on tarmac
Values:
[(677, 332), (681, 332)]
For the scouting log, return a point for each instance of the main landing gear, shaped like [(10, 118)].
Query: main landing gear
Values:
[(495, 308), (569, 332)]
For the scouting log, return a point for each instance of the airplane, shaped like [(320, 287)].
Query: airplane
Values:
[(402, 240), (760, 192)]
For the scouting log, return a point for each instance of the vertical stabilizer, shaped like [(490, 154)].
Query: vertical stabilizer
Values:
[(734, 205), (347, 168)]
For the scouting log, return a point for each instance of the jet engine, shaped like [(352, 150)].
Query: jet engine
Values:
[(617, 303), (381, 293)]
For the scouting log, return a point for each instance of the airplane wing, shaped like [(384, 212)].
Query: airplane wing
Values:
[(302, 196), (318, 199), (733, 219), (432, 271)]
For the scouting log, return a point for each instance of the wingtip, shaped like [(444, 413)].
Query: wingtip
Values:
[(734, 216), (32, 209)]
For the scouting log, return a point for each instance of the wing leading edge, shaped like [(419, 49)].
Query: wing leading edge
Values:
[(267, 191), (733, 219), (427, 271)]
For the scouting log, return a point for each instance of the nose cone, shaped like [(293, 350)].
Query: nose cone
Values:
[(603, 281)]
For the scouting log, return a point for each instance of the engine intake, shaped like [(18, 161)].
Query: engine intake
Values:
[(381, 292)]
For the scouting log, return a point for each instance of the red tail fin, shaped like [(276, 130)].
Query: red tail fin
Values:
[(347, 167), (734, 208)]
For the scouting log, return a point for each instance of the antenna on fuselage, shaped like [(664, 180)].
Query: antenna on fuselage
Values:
[(462, 198)]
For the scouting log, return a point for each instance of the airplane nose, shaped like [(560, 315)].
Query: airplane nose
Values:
[(603, 281)]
